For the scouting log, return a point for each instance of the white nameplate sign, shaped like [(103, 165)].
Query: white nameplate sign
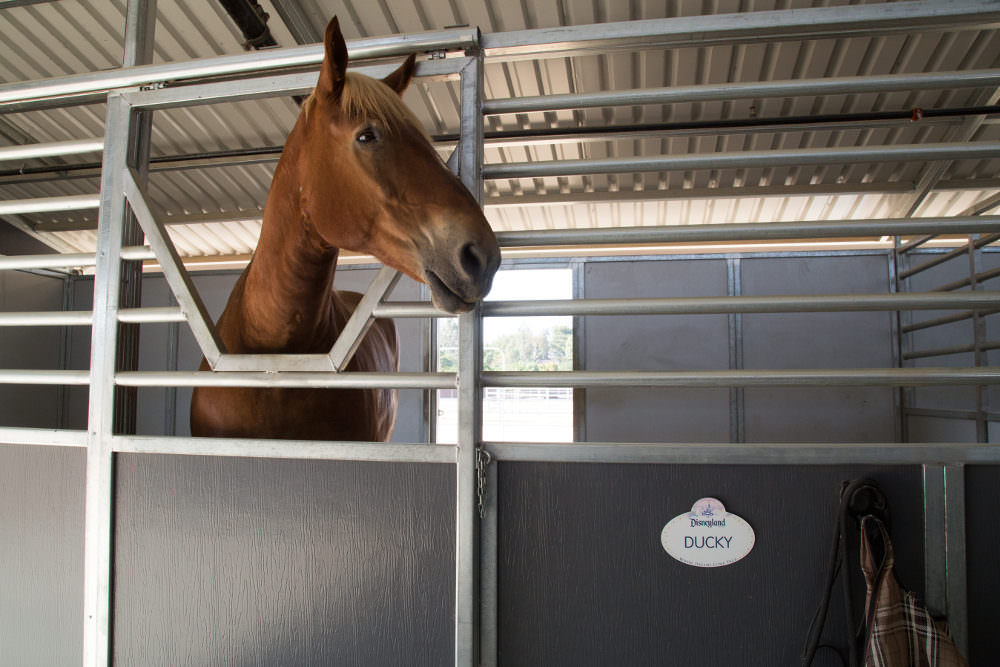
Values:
[(707, 536)]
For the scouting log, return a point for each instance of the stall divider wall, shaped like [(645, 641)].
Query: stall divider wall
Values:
[(476, 484)]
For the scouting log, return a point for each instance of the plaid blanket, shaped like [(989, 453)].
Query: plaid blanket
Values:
[(901, 632)]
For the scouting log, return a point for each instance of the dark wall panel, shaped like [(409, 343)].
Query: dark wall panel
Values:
[(584, 581), (276, 562), (983, 545), (41, 555)]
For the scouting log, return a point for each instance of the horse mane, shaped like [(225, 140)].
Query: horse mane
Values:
[(365, 98)]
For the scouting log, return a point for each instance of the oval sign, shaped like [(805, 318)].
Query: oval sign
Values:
[(707, 536)]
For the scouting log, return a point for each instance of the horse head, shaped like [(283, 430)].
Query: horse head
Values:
[(370, 181)]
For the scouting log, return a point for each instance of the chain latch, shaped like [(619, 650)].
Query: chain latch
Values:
[(483, 459)]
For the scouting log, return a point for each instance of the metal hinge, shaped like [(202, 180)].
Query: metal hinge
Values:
[(483, 459)]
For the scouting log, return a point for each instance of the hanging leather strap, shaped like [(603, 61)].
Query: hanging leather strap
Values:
[(858, 498)]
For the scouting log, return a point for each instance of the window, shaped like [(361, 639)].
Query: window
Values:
[(516, 344)]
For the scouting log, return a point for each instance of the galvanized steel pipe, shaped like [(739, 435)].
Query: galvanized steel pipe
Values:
[(743, 90), (301, 56), (750, 232), (865, 377), (748, 159), (743, 304), (49, 204), (32, 151), (285, 379)]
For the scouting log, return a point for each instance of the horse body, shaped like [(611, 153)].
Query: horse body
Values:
[(356, 173)]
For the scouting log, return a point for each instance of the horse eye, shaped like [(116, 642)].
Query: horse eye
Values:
[(367, 136)]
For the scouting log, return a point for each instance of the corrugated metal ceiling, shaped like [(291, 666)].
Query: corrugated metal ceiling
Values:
[(219, 200)]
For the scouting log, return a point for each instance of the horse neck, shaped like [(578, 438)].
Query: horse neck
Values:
[(287, 299)]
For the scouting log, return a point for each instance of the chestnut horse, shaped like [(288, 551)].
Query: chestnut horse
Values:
[(357, 172)]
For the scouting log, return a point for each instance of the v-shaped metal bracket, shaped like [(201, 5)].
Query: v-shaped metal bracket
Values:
[(203, 329)]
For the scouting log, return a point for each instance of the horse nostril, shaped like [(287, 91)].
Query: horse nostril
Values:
[(471, 261)]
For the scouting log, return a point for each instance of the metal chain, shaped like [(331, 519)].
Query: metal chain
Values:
[(483, 459)]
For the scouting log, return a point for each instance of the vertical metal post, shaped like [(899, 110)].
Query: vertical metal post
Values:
[(118, 148), (734, 269), (140, 25), (173, 352), (978, 340), (103, 362), (896, 342), (957, 601), (470, 331), (935, 532), (579, 359)]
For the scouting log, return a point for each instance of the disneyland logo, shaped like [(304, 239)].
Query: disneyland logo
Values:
[(707, 522)]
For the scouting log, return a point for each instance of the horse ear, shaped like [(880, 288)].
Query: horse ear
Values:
[(333, 72), (400, 79)]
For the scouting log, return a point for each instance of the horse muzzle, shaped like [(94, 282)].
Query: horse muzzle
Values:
[(458, 285)]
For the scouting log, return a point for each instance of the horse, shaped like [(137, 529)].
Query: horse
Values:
[(357, 172)]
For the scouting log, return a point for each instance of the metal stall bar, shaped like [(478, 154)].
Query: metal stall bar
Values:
[(755, 89), (271, 86), (92, 86), (742, 28), (744, 304), (754, 232), (747, 159), (941, 259), (362, 318), (67, 260), (73, 318), (313, 379), (57, 318), (53, 149), (45, 377), (49, 204), (860, 377), (956, 349), (288, 449), (890, 453), (151, 315), (42, 437), (915, 243), (939, 321), (471, 465), (971, 280), (708, 305), (180, 283)]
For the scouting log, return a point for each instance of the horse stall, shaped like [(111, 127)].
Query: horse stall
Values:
[(778, 224)]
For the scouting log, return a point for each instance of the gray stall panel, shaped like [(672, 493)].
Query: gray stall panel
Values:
[(817, 340), (583, 579), (662, 342), (277, 562), (41, 555), (31, 348)]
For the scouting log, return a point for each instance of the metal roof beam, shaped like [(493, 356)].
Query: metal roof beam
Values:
[(301, 27)]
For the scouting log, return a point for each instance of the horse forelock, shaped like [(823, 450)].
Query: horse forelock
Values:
[(364, 98)]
